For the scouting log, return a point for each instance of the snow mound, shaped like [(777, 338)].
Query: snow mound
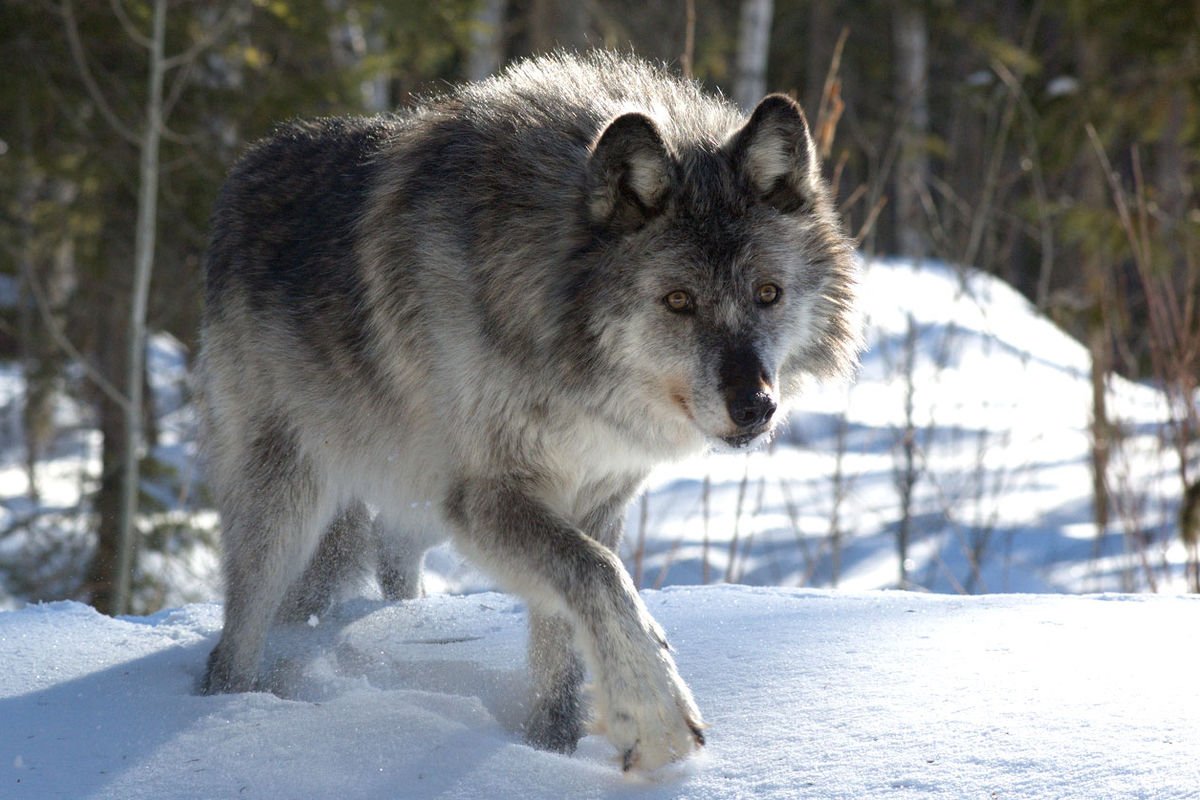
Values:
[(809, 694)]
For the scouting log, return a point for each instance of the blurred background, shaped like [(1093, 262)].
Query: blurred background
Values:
[(1050, 147)]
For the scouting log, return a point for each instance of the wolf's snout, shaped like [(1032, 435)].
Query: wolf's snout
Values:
[(750, 409), (747, 389)]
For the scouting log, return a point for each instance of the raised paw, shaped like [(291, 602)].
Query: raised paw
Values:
[(654, 720), (633, 758)]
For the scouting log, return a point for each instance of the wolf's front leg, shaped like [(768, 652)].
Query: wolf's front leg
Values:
[(643, 706)]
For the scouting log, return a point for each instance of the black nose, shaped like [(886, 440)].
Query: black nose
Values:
[(749, 409)]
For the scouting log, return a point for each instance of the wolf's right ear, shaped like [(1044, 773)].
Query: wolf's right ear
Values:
[(775, 154), (629, 174)]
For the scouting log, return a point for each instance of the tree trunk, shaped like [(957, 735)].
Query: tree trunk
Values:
[(1095, 277), (350, 42), (143, 265), (906, 470), (111, 354), (556, 24), (27, 339), (1101, 428), (912, 100), (754, 43), (44, 361), (487, 40)]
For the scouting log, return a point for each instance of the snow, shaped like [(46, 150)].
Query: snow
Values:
[(808, 694)]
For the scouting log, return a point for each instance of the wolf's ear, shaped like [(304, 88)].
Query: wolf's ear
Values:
[(775, 155), (629, 173)]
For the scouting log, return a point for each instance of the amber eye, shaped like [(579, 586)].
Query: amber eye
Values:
[(767, 294), (679, 301)]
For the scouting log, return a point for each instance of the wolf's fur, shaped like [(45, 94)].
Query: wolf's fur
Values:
[(457, 316)]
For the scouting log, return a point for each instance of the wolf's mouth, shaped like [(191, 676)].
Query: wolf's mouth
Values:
[(742, 439), (682, 402)]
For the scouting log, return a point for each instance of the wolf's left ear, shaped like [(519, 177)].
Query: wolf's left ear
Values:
[(775, 155), (629, 173)]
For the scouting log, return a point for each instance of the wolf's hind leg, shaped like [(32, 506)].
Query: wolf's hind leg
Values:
[(399, 555), (273, 511), (556, 719), (343, 556)]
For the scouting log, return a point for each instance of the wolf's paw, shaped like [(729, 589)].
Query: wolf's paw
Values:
[(220, 677), (651, 720), (555, 724)]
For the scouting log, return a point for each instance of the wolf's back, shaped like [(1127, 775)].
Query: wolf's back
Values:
[(285, 218)]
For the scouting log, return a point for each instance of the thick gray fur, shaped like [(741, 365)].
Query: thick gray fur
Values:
[(487, 319)]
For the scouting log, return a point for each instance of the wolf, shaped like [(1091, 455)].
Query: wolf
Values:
[(486, 319)]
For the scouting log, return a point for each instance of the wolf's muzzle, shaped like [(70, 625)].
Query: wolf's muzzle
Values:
[(746, 389)]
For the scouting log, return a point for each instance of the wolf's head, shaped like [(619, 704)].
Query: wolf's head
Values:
[(729, 277)]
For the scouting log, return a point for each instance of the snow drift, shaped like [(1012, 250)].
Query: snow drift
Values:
[(809, 694)]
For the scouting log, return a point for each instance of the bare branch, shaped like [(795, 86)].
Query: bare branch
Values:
[(130, 29), (94, 91), (689, 39), (187, 59), (175, 137), (830, 109), (204, 42), (1012, 83), (176, 91), (1172, 341), (869, 222), (60, 338), (991, 173)]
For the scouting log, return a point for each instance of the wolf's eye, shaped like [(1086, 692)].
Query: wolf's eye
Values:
[(767, 294), (679, 301)]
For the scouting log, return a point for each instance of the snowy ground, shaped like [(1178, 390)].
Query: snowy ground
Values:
[(809, 694)]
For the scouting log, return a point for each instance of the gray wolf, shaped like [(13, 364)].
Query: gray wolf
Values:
[(487, 318)]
